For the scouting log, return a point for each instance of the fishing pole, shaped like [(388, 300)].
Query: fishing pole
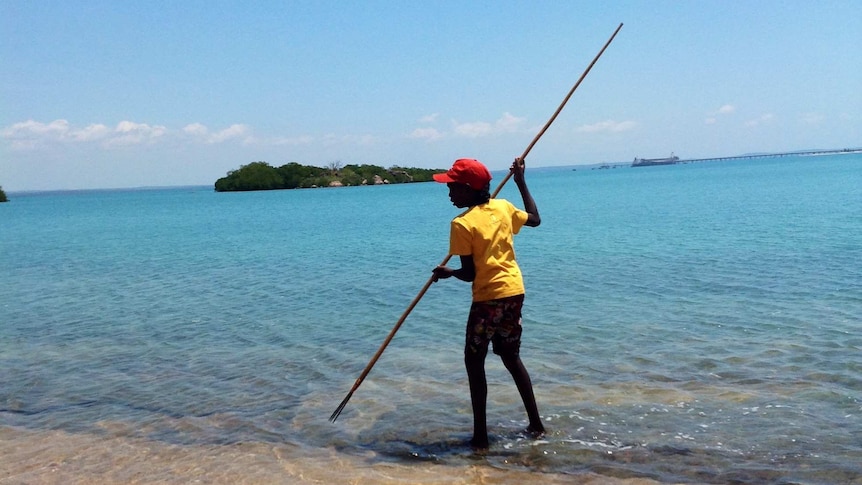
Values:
[(430, 281)]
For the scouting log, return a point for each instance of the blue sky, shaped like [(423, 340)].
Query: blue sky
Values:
[(103, 94)]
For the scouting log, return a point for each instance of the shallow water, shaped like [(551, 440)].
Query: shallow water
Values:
[(693, 323)]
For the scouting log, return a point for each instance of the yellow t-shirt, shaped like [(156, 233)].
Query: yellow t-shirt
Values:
[(486, 231)]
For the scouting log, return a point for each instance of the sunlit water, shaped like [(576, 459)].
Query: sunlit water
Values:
[(694, 323)]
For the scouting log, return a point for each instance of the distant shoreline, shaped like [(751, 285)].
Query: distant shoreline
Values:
[(585, 166)]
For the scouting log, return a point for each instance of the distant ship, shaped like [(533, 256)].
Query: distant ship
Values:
[(649, 162)]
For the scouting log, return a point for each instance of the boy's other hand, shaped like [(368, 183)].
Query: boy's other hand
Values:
[(441, 272)]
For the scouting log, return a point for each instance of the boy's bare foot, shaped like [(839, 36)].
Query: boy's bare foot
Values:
[(479, 445), (535, 431)]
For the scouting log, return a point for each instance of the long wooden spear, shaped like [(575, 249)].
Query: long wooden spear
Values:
[(428, 283)]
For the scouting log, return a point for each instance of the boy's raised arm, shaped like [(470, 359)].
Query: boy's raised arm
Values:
[(529, 204)]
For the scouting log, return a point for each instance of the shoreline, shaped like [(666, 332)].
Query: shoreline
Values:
[(60, 457), (208, 187)]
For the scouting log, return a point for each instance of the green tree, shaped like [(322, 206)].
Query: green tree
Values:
[(349, 177), (367, 172), (295, 175), (416, 174), (3, 196), (262, 176), (254, 176)]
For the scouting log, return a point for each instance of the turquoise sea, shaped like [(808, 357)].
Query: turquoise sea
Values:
[(694, 323)]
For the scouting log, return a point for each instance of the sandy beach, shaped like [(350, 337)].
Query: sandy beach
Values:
[(57, 457)]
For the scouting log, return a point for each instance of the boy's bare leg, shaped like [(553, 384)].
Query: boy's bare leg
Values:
[(525, 388), (475, 363)]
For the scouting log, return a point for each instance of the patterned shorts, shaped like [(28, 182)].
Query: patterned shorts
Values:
[(497, 321)]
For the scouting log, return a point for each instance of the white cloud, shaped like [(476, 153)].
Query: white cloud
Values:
[(429, 118), (812, 118), (202, 133), (30, 134), (130, 133), (472, 130), (285, 140), (30, 129), (766, 118), (196, 129), (508, 123), (726, 109), (608, 126), (92, 132), (233, 131), (427, 134)]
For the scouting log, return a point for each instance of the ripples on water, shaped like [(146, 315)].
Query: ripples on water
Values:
[(692, 323)]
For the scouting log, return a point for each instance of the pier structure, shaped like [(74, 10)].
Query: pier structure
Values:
[(775, 155)]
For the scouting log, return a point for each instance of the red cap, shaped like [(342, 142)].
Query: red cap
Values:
[(466, 171)]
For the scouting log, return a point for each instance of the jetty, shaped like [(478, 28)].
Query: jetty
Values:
[(776, 155)]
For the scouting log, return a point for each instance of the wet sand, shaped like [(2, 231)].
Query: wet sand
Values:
[(57, 457)]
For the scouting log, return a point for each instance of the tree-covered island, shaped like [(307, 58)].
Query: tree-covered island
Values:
[(3, 196), (263, 176)]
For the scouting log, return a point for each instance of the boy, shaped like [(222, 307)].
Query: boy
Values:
[(482, 237)]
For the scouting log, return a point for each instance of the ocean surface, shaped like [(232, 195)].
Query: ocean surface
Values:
[(694, 323)]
